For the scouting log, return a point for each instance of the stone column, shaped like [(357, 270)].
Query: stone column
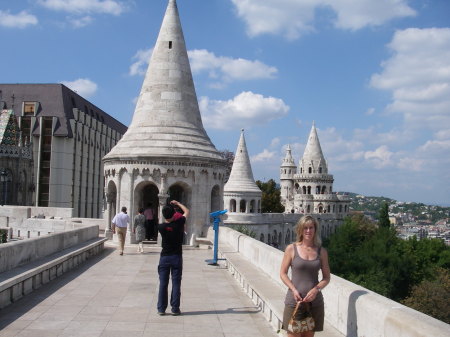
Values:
[(131, 237), (109, 203)]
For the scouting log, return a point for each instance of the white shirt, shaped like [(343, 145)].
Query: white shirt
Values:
[(121, 219)]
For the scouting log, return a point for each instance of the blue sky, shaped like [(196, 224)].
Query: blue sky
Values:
[(373, 75)]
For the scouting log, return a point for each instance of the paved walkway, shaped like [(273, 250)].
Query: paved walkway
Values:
[(112, 295)]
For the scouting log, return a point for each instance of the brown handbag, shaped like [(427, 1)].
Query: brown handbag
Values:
[(302, 319)]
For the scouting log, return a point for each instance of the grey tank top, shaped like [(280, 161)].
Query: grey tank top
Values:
[(305, 276)]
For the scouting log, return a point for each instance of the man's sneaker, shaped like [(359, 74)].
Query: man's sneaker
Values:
[(161, 313), (176, 313)]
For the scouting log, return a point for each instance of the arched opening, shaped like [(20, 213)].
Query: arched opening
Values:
[(309, 190), (324, 188), (252, 206), (242, 206), (296, 187), (340, 208), (317, 189), (146, 196), (320, 169), (215, 198), (280, 238), (308, 209), (320, 208), (275, 238), (288, 237), (111, 202), (304, 189), (261, 237), (233, 205), (328, 209), (309, 170)]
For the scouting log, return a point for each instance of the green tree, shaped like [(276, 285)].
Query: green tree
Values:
[(383, 216), (432, 296), (229, 157), (271, 199)]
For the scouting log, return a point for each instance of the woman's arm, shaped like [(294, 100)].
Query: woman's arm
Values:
[(285, 264)]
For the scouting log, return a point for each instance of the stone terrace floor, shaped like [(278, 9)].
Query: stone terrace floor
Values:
[(113, 295)]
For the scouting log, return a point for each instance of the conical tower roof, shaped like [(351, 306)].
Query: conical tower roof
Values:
[(241, 176), (288, 161), (313, 152), (167, 121)]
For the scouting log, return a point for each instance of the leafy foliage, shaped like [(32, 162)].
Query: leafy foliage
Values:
[(244, 230), (3, 235), (432, 296), (229, 157), (271, 199), (383, 217), (375, 258)]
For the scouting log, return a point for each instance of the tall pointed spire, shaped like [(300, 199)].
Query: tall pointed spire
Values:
[(167, 120), (241, 176), (313, 154), (288, 161)]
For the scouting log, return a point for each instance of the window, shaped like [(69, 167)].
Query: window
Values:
[(29, 108), (310, 170), (170, 44)]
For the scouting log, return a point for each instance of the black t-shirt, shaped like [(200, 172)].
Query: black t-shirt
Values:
[(172, 236)]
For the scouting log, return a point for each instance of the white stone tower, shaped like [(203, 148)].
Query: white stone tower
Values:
[(287, 171), (310, 190), (241, 194), (166, 152)]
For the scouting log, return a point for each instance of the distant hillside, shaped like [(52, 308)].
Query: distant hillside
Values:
[(419, 210)]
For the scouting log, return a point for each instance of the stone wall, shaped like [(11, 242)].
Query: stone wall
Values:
[(13, 254), (351, 309)]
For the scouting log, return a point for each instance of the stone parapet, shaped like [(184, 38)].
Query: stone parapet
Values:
[(350, 309)]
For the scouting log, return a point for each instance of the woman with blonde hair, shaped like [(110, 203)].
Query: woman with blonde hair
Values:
[(305, 257)]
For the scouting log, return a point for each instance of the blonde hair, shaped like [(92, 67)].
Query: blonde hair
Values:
[(301, 225)]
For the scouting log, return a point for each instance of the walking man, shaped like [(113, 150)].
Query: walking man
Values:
[(171, 260), (119, 224)]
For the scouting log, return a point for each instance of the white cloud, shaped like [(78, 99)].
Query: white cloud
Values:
[(142, 57), (85, 6), (293, 18), (222, 69), (229, 69), (83, 86), (244, 110), (20, 20), (370, 111), (275, 142), (418, 77), (357, 14), (81, 22), (380, 158), (264, 156)]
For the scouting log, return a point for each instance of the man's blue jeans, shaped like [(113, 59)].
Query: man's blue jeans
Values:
[(171, 264)]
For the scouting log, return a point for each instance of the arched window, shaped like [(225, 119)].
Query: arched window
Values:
[(261, 238), (232, 205), (328, 209), (309, 189), (242, 206), (301, 169), (288, 237), (324, 188), (304, 189), (308, 209), (320, 208), (317, 189), (309, 170), (340, 208), (320, 169)]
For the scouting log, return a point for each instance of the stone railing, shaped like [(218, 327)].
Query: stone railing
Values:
[(27, 265), (351, 309)]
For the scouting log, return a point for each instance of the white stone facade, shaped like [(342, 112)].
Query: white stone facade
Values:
[(308, 188)]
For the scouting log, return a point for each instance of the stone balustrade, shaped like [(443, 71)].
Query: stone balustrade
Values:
[(349, 308)]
